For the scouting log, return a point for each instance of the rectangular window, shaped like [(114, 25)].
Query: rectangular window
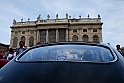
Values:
[(16, 32), (32, 32), (74, 31), (84, 30), (23, 32), (43, 36), (94, 30)]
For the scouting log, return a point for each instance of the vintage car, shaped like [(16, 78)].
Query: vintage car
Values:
[(3, 62), (65, 62)]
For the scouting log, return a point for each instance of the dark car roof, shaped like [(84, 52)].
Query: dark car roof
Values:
[(17, 71)]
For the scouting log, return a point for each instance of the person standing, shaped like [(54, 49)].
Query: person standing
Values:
[(6, 53), (21, 48), (11, 54), (118, 49)]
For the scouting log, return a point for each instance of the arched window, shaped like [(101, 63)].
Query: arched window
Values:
[(62, 35), (85, 38), (15, 41), (23, 38), (31, 41), (95, 38), (43, 36), (52, 35), (75, 38)]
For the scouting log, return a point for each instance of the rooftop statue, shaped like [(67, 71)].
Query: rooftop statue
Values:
[(66, 15), (22, 20), (98, 16), (80, 16), (14, 21), (28, 19), (38, 18), (57, 16), (88, 15), (48, 16)]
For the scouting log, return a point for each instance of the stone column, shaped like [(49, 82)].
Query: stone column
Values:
[(70, 38), (67, 34), (19, 38), (47, 37), (100, 34), (35, 37), (57, 35), (38, 36), (26, 41), (11, 41), (80, 34), (35, 40), (89, 35)]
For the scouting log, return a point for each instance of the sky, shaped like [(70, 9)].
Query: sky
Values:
[(111, 13)]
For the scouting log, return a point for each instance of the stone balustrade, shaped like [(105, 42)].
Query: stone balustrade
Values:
[(64, 20)]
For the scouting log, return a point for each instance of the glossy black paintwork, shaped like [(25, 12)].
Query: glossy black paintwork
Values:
[(63, 72)]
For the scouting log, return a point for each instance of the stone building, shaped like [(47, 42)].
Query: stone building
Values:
[(56, 30), (3, 47)]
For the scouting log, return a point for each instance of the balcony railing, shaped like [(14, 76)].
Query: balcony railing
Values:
[(64, 20)]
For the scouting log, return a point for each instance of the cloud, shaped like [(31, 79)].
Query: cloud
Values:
[(111, 12)]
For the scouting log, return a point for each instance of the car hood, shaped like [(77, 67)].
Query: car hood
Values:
[(61, 72)]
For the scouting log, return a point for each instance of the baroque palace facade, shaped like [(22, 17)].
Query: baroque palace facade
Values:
[(56, 30)]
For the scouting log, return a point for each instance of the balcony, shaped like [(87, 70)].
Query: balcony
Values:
[(64, 20)]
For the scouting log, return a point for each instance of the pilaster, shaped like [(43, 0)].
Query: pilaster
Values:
[(57, 35), (19, 38), (47, 37), (67, 34), (80, 34), (27, 41), (89, 35), (70, 32), (11, 40), (37, 36)]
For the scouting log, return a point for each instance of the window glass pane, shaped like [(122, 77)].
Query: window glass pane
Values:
[(69, 53), (16, 32), (75, 38), (43, 36), (85, 38), (94, 30), (62, 35), (15, 40), (32, 32), (84, 30), (52, 35), (95, 38), (31, 41), (23, 38), (74, 31), (23, 32)]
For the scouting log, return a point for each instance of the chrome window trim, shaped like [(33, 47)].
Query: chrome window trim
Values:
[(111, 50)]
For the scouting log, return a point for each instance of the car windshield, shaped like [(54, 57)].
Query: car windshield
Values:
[(68, 53)]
